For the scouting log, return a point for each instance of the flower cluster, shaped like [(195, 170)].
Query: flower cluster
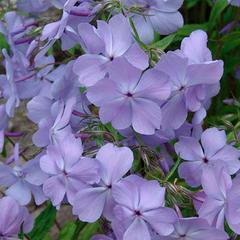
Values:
[(115, 120)]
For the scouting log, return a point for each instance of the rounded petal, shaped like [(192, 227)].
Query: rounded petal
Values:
[(165, 23), (195, 47), (89, 204), (188, 148), (191, 172), (55, 189), (144, 28), (161, 219), (146, 117), (212, 147), (174, 112), (137, 57), (204, 73), (20, 192), (114, 161), (118, 112), (52, 162), (90, 69), (153, 85), (85, 170), (138, 230)]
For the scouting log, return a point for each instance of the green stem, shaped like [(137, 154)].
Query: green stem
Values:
[(174, 168)]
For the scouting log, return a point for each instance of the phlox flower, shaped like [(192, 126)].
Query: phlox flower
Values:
[(93, 201), (140, 206), (13, 218), (23, 181), (211, 151), (102, 45), (69, 171), (126, 98)]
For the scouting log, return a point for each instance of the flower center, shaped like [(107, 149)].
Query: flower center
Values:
[(129, 94), (205, 160), (65, 173), (137, 213)]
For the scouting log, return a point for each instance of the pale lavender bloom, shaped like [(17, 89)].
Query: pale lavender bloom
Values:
[(23, 181), (211, 151), (52, 117), (33, 6), (216, 184), (195, 78), (8, 87), (93, 201), (234, 2), (222, 199), (140, 206), (192, 87), (233, 206), (20, 82), (15, 28), (52, 109), (13, 218), (66, 28), (102, 45), (161, 16), (194, 229), (195, 47), (69, 171), (22, 77), (126, 98)]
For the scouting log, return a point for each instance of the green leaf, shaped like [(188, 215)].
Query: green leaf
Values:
[(191, 3), (165, 42), (43, 223), (79, 226), (68, 231), (3, 43), (215, 15), (187, 29), (89, 231), (72, 230), (230, 42)]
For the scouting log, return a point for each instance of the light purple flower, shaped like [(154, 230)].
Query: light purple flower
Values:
[(23, 181), (16, 29), (194, 76), (211, 151), (13, 218), (8, 87), (103, 45), (93, 201), (126, 98), (234, 2), (189, 84), (66, 28), (194, 229), (140, 205), (216, 185), (161, 16), (222, 199), (33, 6), (69, 171), (53, 118), (233, 205)]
